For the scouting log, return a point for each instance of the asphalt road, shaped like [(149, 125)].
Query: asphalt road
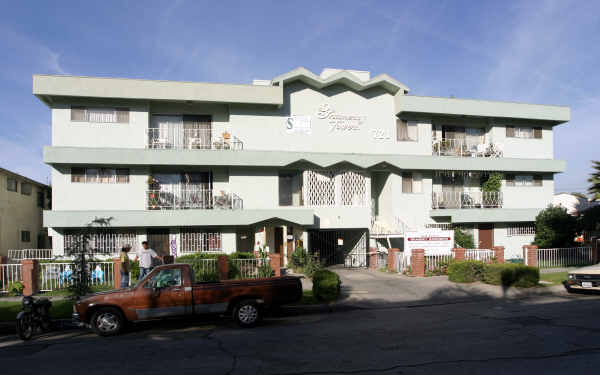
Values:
[(546, 335)]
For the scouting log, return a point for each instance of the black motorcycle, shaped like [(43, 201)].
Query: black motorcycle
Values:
[(34, 313)]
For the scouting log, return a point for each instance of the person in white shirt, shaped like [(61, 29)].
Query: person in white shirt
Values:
[(144, 256)]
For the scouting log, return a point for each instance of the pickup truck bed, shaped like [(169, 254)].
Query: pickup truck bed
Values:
[(169, 291)]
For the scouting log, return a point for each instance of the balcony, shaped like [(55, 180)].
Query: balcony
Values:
[(190, 139), (463, 199), (462, 148), (181, 198)]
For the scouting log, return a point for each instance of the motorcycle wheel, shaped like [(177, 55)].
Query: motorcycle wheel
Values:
[(25, 327)]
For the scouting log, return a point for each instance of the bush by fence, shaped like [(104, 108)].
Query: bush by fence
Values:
[(326, 285), (511, 275), (466, 271)]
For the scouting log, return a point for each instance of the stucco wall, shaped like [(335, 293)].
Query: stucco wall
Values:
[(18, 213), (67, 195), (513, 245), (529, 196)]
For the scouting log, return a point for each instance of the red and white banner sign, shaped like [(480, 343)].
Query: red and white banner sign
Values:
[(433, 242)]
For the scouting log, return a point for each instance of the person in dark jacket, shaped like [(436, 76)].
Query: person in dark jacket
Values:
[(125, 266)]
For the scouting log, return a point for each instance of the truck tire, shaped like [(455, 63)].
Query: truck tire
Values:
[(247, 313), (107, 321)]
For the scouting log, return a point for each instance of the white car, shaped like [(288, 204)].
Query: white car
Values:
[(585, 278)]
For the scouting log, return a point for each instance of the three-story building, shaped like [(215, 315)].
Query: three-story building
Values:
[(336, 162)]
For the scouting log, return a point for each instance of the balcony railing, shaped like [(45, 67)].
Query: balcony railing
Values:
[(478, 199), (184, 198), (191, 139), (460, 147)]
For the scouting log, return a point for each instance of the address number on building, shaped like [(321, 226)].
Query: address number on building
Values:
[(380, 134)]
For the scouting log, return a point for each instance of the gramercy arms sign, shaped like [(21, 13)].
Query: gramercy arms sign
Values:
[(339, 122)]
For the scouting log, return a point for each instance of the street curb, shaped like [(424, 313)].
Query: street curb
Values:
[(59, 324)]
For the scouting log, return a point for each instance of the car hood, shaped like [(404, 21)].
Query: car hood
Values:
[(101, 295), (589, 270)]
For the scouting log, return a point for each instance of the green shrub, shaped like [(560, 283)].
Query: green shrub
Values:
[(554, 227), (510, 274), (466, 271), (15, 288), (326, 285), (302, 262)]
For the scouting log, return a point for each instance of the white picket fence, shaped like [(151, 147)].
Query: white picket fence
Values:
[(564, 257), (9, 273), (29, 254), (55, 276), (484, 255), (248, 268)]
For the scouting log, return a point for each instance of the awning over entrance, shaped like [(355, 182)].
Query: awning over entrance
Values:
[(177, 218)]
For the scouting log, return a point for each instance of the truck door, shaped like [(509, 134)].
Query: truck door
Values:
[(162, 295)]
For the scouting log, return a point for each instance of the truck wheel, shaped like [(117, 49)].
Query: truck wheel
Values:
[(107, 321), (247, 313)]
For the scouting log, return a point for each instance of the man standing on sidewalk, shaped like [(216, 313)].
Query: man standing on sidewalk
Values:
[(145, 255)]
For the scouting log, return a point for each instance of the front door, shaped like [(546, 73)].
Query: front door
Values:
[(244, 238), (486, 236), (278, 240), (158, 240), (162, 295)]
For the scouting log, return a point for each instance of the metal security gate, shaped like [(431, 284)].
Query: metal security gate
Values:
[(347, 247)]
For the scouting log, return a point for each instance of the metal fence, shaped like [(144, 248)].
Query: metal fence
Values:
[(564, 257), (382, 259), (174, 137), (435, 262), (9, 273), (30, 254), (249, 268), (355, 260), (400, 262), (466, 199), (176, 197), (55, 276), (484, 255)]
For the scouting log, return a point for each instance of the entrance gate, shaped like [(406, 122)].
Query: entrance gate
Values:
[(347, 247)]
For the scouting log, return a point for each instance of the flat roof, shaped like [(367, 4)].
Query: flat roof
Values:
[(481, 108), (47, 86), (27, 179)]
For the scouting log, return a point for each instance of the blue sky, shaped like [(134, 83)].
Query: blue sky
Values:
[(531, 51)]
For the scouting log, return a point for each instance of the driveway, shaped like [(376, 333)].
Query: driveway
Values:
[(372, 288)]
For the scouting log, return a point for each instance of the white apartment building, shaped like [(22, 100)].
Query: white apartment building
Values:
[(338, 162)]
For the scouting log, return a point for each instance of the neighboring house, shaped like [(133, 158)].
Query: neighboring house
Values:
[(21, 203), (337, 162), (575, 204)]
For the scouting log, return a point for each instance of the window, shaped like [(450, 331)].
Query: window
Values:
[(523, 132), (194, 240), (100, 115), (25, 236), (406, 130), (77, 174), (412, 182), (122, 176), (91, 175), (11, 184), (165, 278), (290, 189), (521, 229), (26, 188), (100, 175), (108, 241), (40, 199), (523, 180)]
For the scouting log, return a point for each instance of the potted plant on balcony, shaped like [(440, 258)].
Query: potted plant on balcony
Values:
[(491, 184)]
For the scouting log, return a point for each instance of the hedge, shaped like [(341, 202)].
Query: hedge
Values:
[(510, 274), (326, 285), (203, 274), (466, 271)]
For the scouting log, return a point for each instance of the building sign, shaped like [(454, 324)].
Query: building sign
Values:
[(432, 241), (338, 122), (298, 124)]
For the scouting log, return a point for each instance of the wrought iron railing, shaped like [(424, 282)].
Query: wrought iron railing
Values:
[(565, 257), (477, 199), (55, 276), (9, 274), (30, 254), (172, 198), (460, 147), (484, 255), (191, 139)]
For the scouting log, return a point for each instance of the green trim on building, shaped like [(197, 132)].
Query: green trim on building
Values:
[(281, 159), (177, 218), (487, 215)]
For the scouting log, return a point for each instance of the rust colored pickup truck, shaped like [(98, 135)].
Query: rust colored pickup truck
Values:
[(170, 291)]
